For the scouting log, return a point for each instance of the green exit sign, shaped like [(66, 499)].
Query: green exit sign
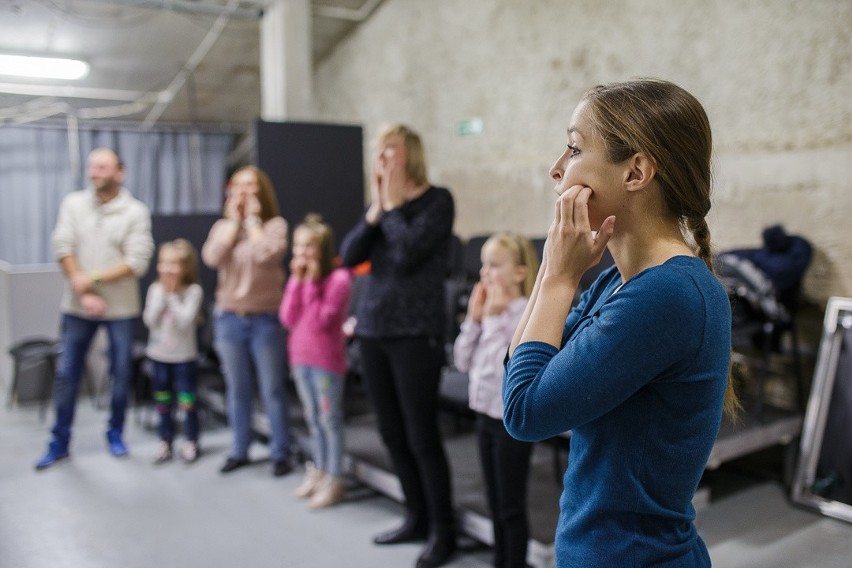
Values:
[(470, 127)]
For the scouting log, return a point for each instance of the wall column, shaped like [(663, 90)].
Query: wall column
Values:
[(286, 68)]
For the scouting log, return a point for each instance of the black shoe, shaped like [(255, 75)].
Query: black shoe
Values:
[(438, 549), (281, 468), (411, 529), (233, 463)]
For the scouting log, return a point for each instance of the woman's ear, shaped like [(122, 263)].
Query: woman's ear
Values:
[(520, 273), (641, 170)]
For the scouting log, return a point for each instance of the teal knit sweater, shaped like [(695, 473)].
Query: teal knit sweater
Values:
[(640, 381)]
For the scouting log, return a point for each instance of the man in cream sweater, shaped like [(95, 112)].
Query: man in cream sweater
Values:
[(103, 242)]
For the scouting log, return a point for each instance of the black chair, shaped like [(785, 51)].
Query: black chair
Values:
[(453, 396), (538, 246), (471, 260), (455, 257), (758, 319), (34, 371)]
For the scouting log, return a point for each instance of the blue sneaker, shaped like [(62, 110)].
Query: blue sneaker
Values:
[(116, 444), (56, 451)]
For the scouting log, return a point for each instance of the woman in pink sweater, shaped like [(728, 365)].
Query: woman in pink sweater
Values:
[(313, 308)]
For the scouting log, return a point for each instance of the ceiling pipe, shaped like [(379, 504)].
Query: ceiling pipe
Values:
[(350, 14), (194, 7), (169, 93)]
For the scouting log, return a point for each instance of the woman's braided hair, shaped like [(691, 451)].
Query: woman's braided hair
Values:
[(670, 126)]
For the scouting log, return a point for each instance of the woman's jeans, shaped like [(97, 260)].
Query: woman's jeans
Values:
[(505, 466), (402, 377), (252, 348), (179, 378), (77, 335), (321, 393)]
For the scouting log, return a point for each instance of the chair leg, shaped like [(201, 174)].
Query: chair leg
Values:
[(801, 395), (766, 348)]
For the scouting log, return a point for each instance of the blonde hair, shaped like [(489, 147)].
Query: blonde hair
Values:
[(523, 254), (415, 165), (324, 237), (188, 259)]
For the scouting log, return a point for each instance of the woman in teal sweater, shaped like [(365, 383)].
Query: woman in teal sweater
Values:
[(638, 370)]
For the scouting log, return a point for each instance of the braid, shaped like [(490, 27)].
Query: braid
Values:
[(701, 234)]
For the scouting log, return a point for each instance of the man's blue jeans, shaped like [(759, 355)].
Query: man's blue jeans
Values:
[(77, 335), (249, 347)]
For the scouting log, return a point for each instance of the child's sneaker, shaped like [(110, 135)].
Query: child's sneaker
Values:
[(310, 482), (164, 453), (330, 492), (189, 451)]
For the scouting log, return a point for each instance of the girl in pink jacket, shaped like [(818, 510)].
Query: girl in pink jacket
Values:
[(313, 309)]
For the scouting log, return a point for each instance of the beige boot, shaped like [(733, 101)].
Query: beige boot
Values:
[(312, 480), (330, 492)]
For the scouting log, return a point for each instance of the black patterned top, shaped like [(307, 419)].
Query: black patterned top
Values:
[(408, 251)]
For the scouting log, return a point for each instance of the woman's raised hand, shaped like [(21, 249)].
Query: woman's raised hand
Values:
[(393, 189), (572, 247), (252, 206), (377, 179), (234, 207)]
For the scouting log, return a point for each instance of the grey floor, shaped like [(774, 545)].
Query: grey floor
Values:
[(95, 511)]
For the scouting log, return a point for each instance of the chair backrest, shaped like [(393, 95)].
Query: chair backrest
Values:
[(35, 363), (750, 290), (471, 257), (32, 346), (538, 246), (455, 258)]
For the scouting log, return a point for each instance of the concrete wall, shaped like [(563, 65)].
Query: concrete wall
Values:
[(774, 76)]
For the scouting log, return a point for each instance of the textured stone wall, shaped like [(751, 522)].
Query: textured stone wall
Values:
[(774, 75)]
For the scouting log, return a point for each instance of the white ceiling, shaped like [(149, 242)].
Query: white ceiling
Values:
[(138, 49)]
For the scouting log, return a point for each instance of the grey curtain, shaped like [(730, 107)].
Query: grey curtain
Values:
[(173, 171)]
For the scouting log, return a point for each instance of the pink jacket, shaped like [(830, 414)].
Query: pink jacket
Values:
[(314, 311)]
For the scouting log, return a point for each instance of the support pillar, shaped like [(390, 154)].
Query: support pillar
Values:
[(286, 67)]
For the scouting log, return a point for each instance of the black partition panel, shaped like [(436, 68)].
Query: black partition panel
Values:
[(315, 168)]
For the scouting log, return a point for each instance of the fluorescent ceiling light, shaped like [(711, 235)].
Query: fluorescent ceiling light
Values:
[(43, 67)]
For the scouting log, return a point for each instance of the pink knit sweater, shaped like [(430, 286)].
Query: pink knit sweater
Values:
[(314, 311)]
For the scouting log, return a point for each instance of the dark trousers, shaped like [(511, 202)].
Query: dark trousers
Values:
[(179, 378), (505, 465), (402, 377)]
